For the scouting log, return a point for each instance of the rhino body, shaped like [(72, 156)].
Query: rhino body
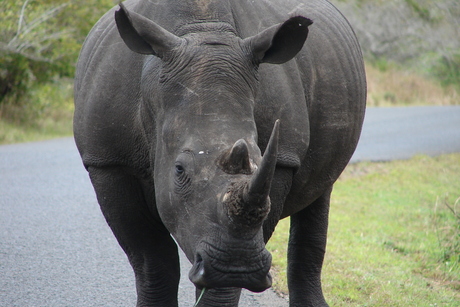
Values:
[(175, 102)]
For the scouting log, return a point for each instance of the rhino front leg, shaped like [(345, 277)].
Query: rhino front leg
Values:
[(281, 185), (307, 245), (150, 249)]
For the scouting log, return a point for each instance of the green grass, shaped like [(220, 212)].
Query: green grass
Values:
[(394, 235), (11, 133)]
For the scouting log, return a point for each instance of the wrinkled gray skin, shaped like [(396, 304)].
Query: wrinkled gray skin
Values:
[(175, 102)]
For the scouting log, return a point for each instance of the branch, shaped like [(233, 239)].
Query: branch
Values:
[(4, 48), (21, 17), (34, 23), (42, 18)]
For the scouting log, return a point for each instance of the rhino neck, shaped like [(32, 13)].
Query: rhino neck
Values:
[(173, 15), (217, 10), (201, 14)]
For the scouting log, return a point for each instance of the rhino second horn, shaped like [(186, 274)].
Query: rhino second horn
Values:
[(236, 160), (260, 184)]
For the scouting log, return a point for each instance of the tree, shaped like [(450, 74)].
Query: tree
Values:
[(40, 39)]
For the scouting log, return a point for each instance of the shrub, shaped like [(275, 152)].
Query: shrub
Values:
[(40, 40), (447, 70)]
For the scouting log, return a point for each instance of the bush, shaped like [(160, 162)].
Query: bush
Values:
[(43, 112), (447, 70), (408, 32), (40, 40)]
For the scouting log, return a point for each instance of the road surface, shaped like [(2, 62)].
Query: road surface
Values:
[(56, 249), (400, 133)]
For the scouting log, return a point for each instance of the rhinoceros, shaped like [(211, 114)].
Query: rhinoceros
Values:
[(202, 123)]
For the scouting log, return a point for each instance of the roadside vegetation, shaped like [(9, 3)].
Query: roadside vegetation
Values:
[(390, 86), (39, 45), (411, 58), (394, 235), (44, 112)]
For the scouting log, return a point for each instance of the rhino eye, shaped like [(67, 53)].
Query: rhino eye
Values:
[(182, 182), (179, 169)]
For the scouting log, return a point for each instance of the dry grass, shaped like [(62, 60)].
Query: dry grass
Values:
[(394, 87)]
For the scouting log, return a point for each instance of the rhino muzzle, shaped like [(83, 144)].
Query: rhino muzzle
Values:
[(240, 259), (216, 269)]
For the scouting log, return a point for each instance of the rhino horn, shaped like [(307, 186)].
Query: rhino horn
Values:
[(260, 184), (236, 160)]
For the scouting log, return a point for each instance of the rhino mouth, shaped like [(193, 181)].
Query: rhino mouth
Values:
[(213, 268)]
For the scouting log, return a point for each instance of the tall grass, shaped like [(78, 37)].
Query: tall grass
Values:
[(394, 235)]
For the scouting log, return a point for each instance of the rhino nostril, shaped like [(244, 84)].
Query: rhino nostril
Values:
[(196, 274), (199, 264)]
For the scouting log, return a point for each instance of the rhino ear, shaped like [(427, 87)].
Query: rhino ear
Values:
[(142, 35), (280, 43)]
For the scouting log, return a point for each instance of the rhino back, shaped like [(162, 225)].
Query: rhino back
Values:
[(319, 96)]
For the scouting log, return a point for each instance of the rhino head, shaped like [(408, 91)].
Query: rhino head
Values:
[(212, 183)]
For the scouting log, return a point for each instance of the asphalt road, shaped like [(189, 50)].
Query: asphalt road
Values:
[(400, 133), (56, 249)]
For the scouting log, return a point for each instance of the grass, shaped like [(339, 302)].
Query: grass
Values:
[(394, 235)]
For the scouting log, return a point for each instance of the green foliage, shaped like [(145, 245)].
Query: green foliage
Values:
[(39, 45), (394, 235), (47, 113), (419, 9), (408, 33), (14, 75), (40, 40), (447, 70), (381, 63)]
